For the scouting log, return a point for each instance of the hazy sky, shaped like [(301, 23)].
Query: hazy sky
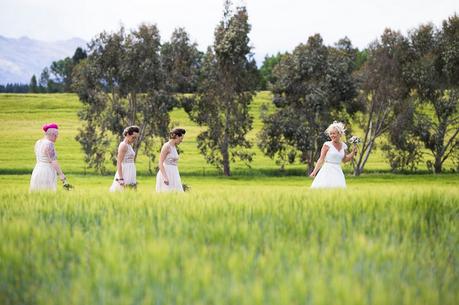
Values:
[(277, 25)]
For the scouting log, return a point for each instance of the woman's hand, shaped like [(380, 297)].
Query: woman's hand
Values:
[(120, 181), (166, 181), (62, 177), (312, 175)]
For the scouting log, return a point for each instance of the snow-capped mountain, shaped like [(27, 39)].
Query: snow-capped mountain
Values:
[(20, 58)]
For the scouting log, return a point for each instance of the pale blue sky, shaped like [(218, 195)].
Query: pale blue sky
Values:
[(277, 25)]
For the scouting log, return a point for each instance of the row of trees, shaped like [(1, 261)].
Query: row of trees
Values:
[(58, 76), (406, 88), (402, 87), (131, 78), (410, 88), (14, 88)]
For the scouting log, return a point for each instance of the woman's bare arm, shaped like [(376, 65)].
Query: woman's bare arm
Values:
[(320, 162), (52, 157), (350, 155), (122, 149), (165, 150)]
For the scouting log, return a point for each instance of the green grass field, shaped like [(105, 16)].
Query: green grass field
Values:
[(23, 115), (255, 238)]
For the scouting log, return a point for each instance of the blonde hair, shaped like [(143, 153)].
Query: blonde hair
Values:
[(339, 126)]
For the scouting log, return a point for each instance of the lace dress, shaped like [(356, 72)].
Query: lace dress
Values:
[(170, 166), (330, 174), (129, 170), (44, 176)]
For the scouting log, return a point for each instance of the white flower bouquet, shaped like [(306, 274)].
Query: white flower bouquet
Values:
[(354, 140)]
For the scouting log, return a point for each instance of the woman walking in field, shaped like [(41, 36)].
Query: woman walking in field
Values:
[(125, 167), (168, 177), (328, 172), (44, 175)]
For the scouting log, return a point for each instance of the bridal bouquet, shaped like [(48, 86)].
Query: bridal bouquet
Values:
[(67, 186), (354, 140), (131, 186)]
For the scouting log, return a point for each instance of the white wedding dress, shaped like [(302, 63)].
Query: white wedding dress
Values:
[(330, 174), (129, 170), (44, 176), (170, 166)]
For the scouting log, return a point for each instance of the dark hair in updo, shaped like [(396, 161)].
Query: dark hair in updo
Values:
[(177, 133), (130, 130)]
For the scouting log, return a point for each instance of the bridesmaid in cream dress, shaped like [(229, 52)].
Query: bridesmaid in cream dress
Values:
[(328, 172), (168, 177), (126, 174), (44, 175)]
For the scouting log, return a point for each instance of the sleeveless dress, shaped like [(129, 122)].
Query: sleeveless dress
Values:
[(44, 176), (170, 166), (330, 174), (129, 170)]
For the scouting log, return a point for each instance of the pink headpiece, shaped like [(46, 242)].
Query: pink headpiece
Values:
[(50, 125)]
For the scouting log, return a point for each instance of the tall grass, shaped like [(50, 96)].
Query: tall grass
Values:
[(259, 237), (234, 244)]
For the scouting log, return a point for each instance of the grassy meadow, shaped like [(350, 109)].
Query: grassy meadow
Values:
[(255, 238), (26, 113)]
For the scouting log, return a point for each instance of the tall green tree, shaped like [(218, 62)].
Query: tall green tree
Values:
[(61, 71), (434, 74), (403, 148), (383, 90), (58, 76), (313, 87), (46, 82), (122, 83), (181, 62), (225, 91), (79, 55), (266, 71), (33, 86)]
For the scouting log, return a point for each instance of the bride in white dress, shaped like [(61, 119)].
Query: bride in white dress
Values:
[(327, 172), (126, 174), (168, 177), (44, 175)]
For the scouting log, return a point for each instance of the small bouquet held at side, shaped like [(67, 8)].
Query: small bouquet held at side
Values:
[(66, 185), (131, 186)]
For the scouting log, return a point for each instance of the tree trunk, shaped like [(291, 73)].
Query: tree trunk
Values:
[(437, 164), (225, 144), (225, 155), (439, 140), (363, 158)]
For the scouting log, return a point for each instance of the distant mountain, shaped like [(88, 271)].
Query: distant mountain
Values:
[(22, 57)]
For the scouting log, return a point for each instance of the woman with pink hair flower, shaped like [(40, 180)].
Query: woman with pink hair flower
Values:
[(44, 175)]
